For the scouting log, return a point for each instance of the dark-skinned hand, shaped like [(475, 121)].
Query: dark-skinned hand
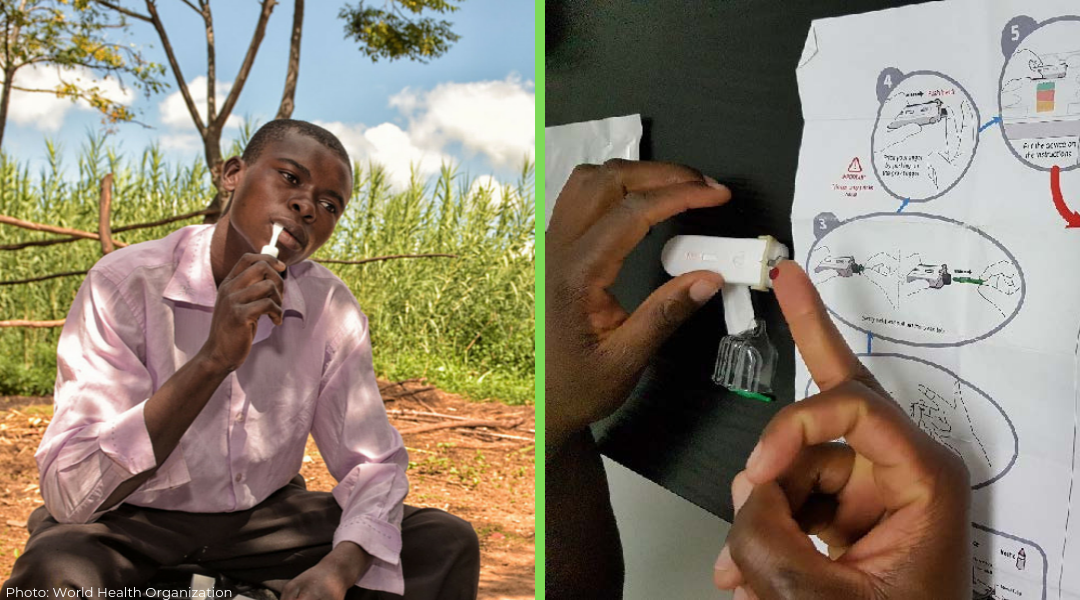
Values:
[(331, 577), (892, 504), (596, 351), (252, 289)]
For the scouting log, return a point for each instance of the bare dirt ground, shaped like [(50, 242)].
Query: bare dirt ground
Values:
[(484, 474)]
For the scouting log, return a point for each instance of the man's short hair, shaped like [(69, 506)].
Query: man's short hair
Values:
[(275, 131)]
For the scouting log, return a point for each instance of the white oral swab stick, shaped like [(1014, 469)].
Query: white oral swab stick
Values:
[(271, 248)]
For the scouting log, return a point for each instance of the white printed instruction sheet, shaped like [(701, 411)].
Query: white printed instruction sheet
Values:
[(936, 211)]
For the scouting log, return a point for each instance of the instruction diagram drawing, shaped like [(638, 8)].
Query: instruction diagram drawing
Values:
[(936, 213)]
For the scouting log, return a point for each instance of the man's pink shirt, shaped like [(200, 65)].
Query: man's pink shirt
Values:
[(141, 314)]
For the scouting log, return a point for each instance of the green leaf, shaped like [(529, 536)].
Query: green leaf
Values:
[(393, 34)]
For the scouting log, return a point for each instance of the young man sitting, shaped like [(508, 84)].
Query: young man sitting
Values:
[(191, 371)]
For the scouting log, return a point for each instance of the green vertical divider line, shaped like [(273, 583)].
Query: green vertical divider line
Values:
[(540, 447)]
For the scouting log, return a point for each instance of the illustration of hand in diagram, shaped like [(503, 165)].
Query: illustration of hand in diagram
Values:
[(898, 132), (947, 163), (917, 286), (929, 129), (925, 134), (932, 411), (953, 412), (899, 277)]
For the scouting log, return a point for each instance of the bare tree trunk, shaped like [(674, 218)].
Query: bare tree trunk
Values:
[(104, 212), (211, 64), (11, 34), (5, 100), (216, 117), (212, 148), (216, 123), (212, 134), (288, 96)]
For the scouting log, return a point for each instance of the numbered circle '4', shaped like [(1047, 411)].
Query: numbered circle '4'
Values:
[(925, 134)]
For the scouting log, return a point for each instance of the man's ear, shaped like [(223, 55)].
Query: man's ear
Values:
[(232, 172)]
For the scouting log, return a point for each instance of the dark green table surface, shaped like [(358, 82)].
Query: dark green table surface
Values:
[(715, 85)]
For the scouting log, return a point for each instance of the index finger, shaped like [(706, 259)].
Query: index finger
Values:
[(251, 258), (825, 352), (604, 247), (907, 462), (593, 189)]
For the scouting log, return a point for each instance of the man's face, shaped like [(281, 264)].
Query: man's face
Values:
[(297, 183)]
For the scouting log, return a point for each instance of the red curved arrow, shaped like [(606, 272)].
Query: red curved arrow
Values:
[(1072, 219)]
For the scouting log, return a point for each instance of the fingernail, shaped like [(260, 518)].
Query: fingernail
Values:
[(703, 289), (755, 457), (709, 181), (774, 273), (724, 562)]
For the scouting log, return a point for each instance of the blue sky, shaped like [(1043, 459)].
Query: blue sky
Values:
[(474, 106)]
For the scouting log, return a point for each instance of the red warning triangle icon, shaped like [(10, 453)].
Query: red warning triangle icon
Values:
[(855, 166)]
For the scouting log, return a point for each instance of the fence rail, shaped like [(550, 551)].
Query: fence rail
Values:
[(109, 243)]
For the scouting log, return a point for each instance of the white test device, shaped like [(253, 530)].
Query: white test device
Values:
[(740, 261), (272, 248)]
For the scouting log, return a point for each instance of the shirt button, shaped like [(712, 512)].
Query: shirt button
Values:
[(238, 478)]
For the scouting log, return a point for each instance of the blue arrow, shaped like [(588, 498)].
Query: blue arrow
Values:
[(869, 342), (993, 121), (903, 204)]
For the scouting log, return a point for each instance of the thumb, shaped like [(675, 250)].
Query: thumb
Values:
[(777, 560), (641, 335)]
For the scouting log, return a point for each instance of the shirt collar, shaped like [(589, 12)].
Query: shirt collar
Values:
[(193, 280)]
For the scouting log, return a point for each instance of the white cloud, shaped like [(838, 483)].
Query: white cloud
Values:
[(389, 146), (485, 182), (499, 191), (174, 112), (45, 111), (494, 118), (182, 142)]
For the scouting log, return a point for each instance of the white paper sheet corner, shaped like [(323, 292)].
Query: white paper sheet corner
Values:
[(567, 146)]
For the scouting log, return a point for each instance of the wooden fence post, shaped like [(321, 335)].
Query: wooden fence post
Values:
[(104, 208)]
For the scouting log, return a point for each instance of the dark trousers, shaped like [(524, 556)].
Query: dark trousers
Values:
[(268, 544)]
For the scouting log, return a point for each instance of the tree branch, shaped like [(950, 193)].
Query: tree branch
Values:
[(24, 89), (124, 11), (48, 242), (192, 6), (288, 95), (52, 229), (388, 397), (453, 424), (104, 208), (379, 258), (211, 63), (155, 19), (43, 278), (65, 240), (22, 323), (165, 221), (245, 67)]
